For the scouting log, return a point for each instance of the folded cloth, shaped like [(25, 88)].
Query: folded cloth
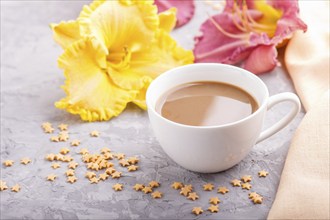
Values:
[(303, 192)]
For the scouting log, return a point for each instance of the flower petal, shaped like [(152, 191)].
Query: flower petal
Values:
[(186, 9), (262, 59), (167, 19), (120, 23), (140, 99), (65, 33), (90, 91)]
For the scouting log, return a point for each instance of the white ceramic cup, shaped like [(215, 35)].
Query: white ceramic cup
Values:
[(209, 149)]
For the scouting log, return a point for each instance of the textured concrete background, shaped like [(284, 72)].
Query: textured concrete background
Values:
[(30, 83)]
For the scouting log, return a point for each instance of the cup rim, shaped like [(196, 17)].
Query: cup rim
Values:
[(168, 72)]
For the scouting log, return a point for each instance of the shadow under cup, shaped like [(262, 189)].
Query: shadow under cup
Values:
[(207, 148)]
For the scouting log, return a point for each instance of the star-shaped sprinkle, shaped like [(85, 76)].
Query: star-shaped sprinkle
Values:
[(48, 130), (123, 163), (214, 200), (116, 174), (257, 199), (8, 163), (63, 127), (59, 157), (236, 182), (246, 186), (3, 185), (120, 156), (118, 187), (64, 150), (109, 164), (208, 187), (83, 151), (105, 150), (263, 173), (189, 186), (103, 176), (71, 179), (75, 143), (185, 191), (95, 133), (108, 156), (133, 160), (46, 124), (67, 158), (223, 190), (93, 180), (25, 160), (177, 185), (63, 136), (90, 175), (246, 178), (253, 194), (147, 189), (73, 165), (50, 157), (157, 195), (54, 139), (138, 187), (197, 210), (51, 177), (110, 170), (192, 196), (95, 166), (16, 188), (132, 168), (154, 184), (56, 165), (213, 208), (69, 172)]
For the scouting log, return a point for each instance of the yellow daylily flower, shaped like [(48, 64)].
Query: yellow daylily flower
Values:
[(112, 53)]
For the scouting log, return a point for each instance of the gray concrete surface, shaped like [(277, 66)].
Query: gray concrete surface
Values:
[(30, 82)]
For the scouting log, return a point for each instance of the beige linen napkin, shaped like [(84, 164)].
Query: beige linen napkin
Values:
[(303, 192)]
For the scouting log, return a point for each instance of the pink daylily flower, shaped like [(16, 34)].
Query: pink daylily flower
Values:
[(185, 9), (248, 32)]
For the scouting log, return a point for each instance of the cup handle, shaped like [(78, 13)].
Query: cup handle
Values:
[(273, 100)]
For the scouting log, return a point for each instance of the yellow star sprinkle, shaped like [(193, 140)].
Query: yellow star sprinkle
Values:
[(257, 199), (63, 127), (84, 151), (110, 170), (236, 182), (16, 188), (223, 190), (138, 187), (189, 186), (132, 168), (123, 163), (73, 165), (51, 177), (25, 160), (197, 210), (8, 163), (105, 150), (94, 180), (48, 130), (95, 133), (103, 176), (90, 175), (214, 200), (46, 125), (185, 190), (246, 186), (133, 160), (120, 156), (64, 150), (253, 194), (147, 189), (71, 179), (69, 172), (116, 174), (75, 143), (213, 208), (50, 157), (208, 187), (59, 157), (192, 196), (246, 178), (3, 185), (118, 187), (108, 156), (54, 139), (154, 184), (262, 173), (56, 165), (177, 185), (157, 195), (67, 158)]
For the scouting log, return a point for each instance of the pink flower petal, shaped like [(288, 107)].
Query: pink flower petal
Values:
[(262, 59), (186, 9)]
